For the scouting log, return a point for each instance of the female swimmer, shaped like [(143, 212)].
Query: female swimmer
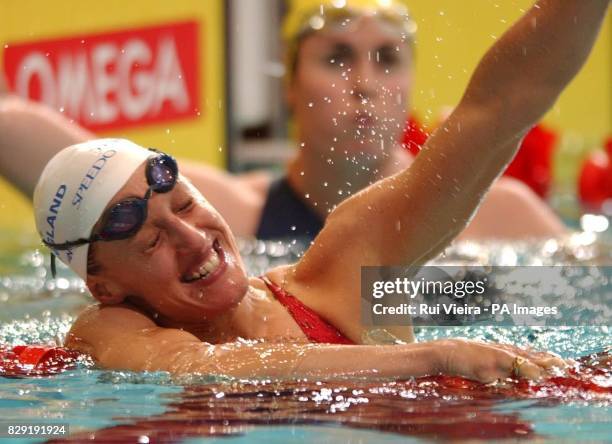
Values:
[(172, 288)]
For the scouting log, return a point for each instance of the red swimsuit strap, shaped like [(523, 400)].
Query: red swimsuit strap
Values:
[(314, 326)]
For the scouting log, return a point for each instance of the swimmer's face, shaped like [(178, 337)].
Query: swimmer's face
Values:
[(182, 266), (350, 86)]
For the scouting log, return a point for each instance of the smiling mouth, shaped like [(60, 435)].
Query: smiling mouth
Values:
[(211, 268)]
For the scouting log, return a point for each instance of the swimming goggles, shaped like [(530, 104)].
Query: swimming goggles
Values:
[(125, 218)]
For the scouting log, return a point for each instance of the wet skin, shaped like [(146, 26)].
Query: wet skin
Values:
[(152, 272), (153, 267)]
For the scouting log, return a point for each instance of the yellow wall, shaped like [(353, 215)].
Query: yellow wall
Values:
[(453, 35), (202, 138)]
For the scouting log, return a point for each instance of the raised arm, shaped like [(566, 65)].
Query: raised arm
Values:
[(30, 134), (121, 338), (410, 217)]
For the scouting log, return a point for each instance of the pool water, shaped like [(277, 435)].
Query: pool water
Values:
[(154, 407)]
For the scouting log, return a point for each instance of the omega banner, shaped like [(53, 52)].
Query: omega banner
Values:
[(112, 80), (152, 72)]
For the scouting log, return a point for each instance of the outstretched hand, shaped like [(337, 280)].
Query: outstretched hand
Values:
[(490, 362)]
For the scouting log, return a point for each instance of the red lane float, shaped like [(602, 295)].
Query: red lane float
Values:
[(414, 136), (533, 161), (35, 360), (592, 377), (595, 181), (532, 164)]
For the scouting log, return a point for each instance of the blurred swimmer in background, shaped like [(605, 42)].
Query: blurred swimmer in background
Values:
[(349, 68), (172, 289)]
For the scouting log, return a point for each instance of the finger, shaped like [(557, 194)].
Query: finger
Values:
[(544, 359), (517, 367), (528, 370), (551, 362)]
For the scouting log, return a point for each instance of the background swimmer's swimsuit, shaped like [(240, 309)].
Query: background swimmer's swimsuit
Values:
[(314, 326), (283, 210)]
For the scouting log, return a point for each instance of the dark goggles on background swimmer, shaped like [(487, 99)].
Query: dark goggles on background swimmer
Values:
[(125, 218)]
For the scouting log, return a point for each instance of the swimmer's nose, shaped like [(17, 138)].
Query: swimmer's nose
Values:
[(187, 237), (364, 82)]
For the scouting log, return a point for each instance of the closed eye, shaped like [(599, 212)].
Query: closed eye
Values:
[(186, 206), (153, 242)]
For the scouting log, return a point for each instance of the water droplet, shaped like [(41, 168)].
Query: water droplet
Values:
[(310, 104)]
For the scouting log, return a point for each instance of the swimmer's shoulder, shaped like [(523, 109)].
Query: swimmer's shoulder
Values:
[(122, 337), (96, 321)]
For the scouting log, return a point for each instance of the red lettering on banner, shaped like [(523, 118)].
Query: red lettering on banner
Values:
[(112, 80)]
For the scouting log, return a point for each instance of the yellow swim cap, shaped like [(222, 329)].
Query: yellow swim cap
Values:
[(305, 16), (310, 15)]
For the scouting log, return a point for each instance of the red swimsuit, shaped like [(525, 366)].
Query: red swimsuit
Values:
[(314, 326)]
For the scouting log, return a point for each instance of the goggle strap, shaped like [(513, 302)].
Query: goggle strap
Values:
[(53, 270)]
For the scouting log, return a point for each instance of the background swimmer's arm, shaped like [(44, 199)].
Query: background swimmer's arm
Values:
[(30, 134), (411, 217), (497, 215)]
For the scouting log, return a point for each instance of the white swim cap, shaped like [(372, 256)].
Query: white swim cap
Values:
[(75, 187)]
